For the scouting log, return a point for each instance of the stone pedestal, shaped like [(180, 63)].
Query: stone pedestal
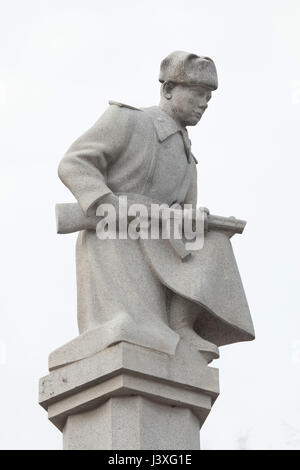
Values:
[(130, 397), (132, 422)]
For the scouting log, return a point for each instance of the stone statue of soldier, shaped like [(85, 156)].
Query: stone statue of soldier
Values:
[(140, 291)]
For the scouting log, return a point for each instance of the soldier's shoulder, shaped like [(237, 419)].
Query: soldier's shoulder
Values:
[(130, 115), (123, 105)]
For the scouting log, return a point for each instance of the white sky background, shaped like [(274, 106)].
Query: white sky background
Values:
[(61, 61)]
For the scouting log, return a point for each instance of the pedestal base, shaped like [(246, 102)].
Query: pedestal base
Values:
[(130, 397), (132, 423)]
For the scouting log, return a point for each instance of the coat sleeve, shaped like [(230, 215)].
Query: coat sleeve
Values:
[(84, 166)]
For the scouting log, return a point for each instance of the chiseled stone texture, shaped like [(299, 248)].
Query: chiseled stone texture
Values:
[(132, 423)]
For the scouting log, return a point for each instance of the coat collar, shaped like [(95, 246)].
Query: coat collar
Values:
[(164, 125)]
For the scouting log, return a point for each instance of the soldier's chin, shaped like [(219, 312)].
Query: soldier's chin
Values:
[(193, 120)]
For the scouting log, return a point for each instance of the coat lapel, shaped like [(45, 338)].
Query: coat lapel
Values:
[(165, 126)]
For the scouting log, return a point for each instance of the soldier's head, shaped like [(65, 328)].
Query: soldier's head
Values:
[(187, 84)]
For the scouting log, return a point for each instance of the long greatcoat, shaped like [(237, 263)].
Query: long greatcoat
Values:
[(124, 286)]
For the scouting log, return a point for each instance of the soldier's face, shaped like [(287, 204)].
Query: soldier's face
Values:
[(189, 103)]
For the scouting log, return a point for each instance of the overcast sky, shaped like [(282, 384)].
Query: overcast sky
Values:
[(61, 61)]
